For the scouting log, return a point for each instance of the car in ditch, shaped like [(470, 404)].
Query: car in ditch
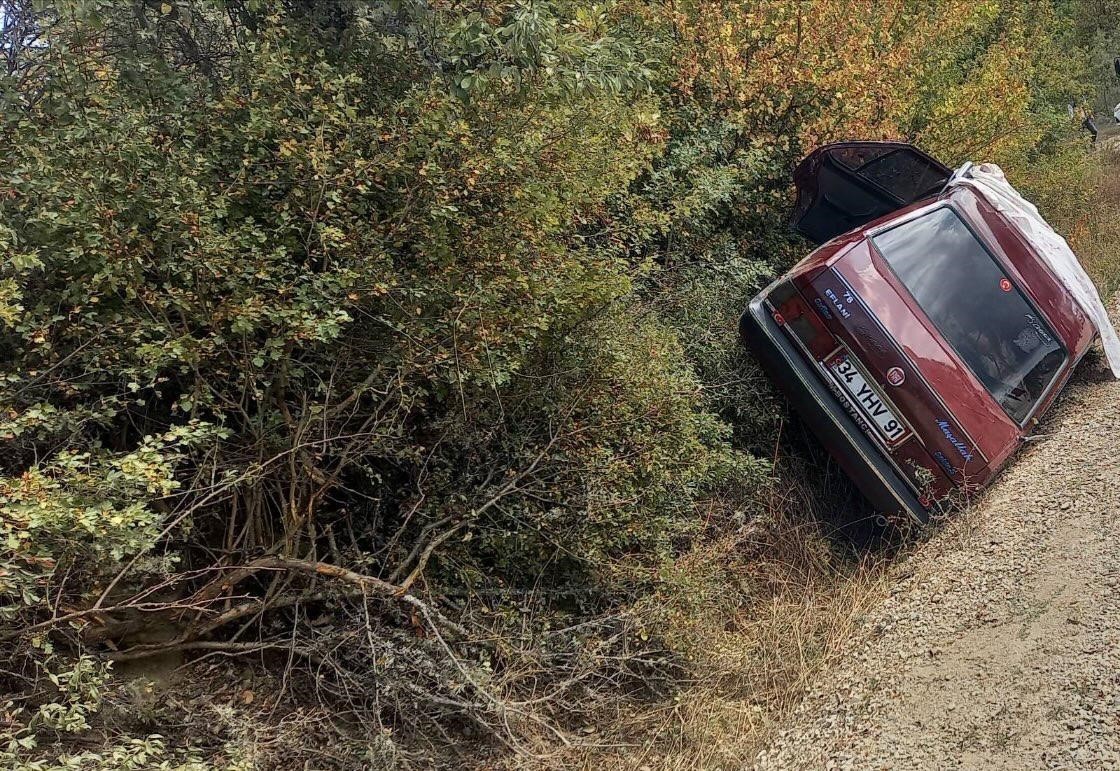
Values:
[(925, 338)]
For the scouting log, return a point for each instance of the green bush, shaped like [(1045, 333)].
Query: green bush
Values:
[(404, 333)]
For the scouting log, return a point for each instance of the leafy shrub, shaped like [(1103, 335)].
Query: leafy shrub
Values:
[(404, 334)]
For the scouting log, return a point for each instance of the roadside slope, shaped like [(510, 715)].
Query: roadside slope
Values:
[(999, 646)]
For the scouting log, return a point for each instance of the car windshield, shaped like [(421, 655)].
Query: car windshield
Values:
[(976, 307)]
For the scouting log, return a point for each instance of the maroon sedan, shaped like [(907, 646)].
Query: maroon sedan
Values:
[(924, 341)]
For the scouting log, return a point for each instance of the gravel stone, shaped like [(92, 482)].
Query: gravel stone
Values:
[(1001, 650)]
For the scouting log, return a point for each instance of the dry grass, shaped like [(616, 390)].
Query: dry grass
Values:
[(759, 669), (763, 611), (1095, 236), (758, 613)]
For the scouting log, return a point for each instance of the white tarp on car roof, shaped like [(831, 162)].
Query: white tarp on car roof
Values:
[(988, 180)]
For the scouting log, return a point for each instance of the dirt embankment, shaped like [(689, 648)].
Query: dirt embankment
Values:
[(999, 646)]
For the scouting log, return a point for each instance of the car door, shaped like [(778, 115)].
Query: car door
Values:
[(848, 184)]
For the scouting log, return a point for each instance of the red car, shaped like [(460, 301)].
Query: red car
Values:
[(925, 339)]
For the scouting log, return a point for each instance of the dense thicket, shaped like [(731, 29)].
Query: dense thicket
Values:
[(397, 338), (1097, 27)]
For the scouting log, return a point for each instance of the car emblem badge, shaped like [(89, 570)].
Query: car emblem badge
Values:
[(1005, 285), (895, 376)]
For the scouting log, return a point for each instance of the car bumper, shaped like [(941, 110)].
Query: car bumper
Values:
[(873, 474)]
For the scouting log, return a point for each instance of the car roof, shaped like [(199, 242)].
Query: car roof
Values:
[(1001, 236)]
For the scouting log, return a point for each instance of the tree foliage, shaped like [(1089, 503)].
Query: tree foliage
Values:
[(435, 302)]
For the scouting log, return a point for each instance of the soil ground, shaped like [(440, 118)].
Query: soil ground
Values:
[(999, 645)]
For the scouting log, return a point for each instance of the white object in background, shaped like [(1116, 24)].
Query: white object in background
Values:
[(1116, 112), (989, 181)]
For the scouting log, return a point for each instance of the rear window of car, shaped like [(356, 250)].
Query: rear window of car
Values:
[(976, 307)]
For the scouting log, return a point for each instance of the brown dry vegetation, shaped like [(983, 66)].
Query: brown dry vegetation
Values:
[(1096, 235), (765, 610), (369, 376), (756, 646)]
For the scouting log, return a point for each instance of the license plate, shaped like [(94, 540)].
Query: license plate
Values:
[(866, 399)]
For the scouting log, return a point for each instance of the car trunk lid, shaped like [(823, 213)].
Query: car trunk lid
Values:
[(890, 365)]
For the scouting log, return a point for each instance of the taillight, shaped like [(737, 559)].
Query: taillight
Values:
[(782, 293), (804, 330), (791, 312)]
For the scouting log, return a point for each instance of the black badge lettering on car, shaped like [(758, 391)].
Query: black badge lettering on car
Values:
[(851, 409), (872, 400), (822, 307), (865, 394)]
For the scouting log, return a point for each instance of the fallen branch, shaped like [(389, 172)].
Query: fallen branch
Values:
[(376, 585), (364, 584), (236, 648)]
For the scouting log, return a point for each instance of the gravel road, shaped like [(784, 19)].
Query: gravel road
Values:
[(999, 646)]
